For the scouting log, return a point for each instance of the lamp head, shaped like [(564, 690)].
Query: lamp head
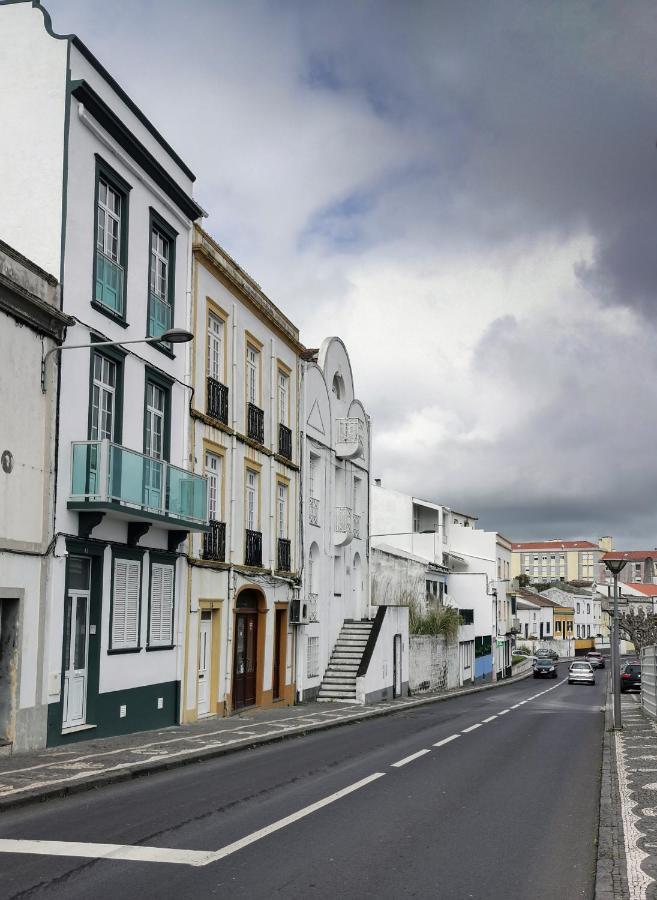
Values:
[(615, 562), (176, 336)]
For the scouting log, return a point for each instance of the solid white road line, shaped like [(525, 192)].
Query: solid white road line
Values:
[(515, 707), (407, 759), (106, 851), (447, 740), (490, 719), (165, 855), (471, 728)]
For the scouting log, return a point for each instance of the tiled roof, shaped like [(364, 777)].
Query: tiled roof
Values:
[(555, 545), (650, 590), (630, 554)]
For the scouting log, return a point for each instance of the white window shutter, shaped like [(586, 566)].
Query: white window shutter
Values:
[(161, 617), (125, 604)]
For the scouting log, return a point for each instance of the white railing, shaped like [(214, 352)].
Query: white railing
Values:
[(313, 511), (350, 430), (649, 680), (343, 520), (313, 607), (356, 526)]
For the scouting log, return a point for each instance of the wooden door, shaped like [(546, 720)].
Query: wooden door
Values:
[(245, 662)]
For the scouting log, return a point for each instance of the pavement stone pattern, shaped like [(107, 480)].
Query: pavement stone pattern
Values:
[(56, 771)]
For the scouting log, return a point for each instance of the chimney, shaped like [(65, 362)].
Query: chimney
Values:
[(606, 543), (377, 482)]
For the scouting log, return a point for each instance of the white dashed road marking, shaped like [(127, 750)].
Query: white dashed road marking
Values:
[(447, 740), (490, 719), (407, 759), (471, 728)]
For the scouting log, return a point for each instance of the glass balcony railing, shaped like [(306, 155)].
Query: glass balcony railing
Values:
[(109, 283), (159, 315), (103, 472)]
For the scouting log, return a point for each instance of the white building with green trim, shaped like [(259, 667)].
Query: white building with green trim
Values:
[(92, 193)]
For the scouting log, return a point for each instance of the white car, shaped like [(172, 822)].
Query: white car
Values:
[(581, 672)]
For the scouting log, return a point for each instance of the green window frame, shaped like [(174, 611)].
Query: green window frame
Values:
[(161, 279), (128, 645), (117, 356), (110, 256)]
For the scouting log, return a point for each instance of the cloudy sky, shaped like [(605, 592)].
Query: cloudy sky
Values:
[(466, 193)]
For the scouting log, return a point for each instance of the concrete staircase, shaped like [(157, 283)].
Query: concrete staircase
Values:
[(339, 682)]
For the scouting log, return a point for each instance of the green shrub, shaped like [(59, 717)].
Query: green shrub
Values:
[(443, 621)]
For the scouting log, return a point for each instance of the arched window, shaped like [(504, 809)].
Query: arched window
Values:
[(338, 386)]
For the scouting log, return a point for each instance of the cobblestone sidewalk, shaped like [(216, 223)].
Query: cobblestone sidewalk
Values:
[(60, 770), (627, 851)]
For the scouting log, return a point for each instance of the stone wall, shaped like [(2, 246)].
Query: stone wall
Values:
[(434, 664)]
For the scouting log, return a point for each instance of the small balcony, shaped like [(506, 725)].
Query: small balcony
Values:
[(253, 548), (109, 284), (255, 423), (214, 542), (350, 438), (313, 607), (110, 478), (285, 441), (344, 527), (357, 519), (313, 511), (217, 406), (284, 555), (159, 316)]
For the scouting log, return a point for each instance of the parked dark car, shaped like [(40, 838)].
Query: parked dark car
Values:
[(545, 668), (630, 677), (596, 659)]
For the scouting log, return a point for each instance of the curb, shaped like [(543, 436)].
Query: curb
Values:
[(45, 793), (611, 867)]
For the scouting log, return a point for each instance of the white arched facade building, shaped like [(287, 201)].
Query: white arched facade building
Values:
[(343, 651)]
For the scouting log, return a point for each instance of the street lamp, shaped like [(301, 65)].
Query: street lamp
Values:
[(615, 563), (171, 336)]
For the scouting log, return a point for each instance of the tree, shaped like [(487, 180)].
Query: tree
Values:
[(639, 627), (523, 580)]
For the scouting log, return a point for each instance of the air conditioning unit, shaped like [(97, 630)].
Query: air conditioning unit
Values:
[(299, 612)]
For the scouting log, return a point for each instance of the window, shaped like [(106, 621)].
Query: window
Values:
[(483, 646), (588, 631), (312, 660), (103, 398), (557, 625), (161, 279), (252, 500), (499, 567), (578, 609), (111, 233), (283, 397), (416, 520), (215, 360), (282, 511), (578, 631), (160, 619), (155, 420), (467, 616), (252, 375), (125, 604), (213, 474), (547, 627), (588, 609), (156, 442)]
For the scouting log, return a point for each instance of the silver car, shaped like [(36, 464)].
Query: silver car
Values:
[(581, 673)]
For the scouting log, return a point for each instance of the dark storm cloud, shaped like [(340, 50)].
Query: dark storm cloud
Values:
[(391, 168)]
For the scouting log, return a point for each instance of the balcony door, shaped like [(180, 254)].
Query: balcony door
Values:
[(102, 415), (154, 432)]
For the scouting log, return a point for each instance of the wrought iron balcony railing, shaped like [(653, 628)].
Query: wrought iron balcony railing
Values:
[(313, 511), (217, 400), (107, 475), (253, 548), (356, 526), (214, 542), (284, 555), (313, 607), (255, 423), (285, 441)]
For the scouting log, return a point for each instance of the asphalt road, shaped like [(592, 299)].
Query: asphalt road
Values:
[(508, 809)]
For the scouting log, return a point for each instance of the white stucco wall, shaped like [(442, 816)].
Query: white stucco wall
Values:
[(377, 683), (33, 79)]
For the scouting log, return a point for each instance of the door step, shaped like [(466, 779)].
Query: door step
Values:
[(6, 747)]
